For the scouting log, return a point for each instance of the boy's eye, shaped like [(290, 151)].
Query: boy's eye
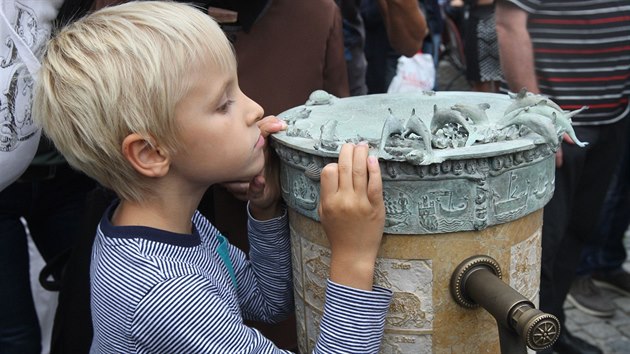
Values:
[(224, 107)]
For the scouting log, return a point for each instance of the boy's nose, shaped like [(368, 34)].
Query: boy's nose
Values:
[(256, 111)]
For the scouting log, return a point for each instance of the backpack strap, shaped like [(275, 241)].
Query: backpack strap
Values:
[(224, 252)]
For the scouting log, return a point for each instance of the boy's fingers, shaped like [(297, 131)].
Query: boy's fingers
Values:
[(270, 125), (345, 166), (375, 182), (359, 167), (266, 120), (329, 181)]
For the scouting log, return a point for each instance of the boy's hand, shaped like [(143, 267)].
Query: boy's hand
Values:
[(263, 191), (271, 124), (352, 214)]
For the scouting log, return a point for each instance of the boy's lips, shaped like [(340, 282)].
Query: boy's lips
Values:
[(260, 143)]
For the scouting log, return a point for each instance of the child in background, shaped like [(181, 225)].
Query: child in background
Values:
[(144, 98)]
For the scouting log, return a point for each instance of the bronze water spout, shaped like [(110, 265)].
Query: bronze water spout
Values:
[(477, 282)]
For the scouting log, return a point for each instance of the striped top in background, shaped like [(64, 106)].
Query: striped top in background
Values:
[(159, 292), (582, 55)]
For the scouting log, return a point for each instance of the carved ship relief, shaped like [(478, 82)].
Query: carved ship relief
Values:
[(448, 208), (513, 203)]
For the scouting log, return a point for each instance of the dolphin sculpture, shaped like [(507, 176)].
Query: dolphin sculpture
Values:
[(391, 126), (538, 124), (525, 99), (562, 119), (416, 126), (476, 113)]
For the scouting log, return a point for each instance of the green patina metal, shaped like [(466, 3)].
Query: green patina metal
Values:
[(451, 161)]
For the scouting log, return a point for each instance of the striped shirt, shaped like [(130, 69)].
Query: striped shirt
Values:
[(582, 55), (155, 291)]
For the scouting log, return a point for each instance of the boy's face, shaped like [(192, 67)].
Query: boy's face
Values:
[(219, 137)]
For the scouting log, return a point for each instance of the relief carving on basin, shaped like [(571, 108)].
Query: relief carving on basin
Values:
[(492, 153)]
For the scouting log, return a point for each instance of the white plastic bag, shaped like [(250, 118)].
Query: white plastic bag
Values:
[(413, 74)]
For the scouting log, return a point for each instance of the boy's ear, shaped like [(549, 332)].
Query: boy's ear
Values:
[(147, 159)]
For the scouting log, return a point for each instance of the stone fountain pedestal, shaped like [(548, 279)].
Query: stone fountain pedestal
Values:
[(463, 174), (423, 318)]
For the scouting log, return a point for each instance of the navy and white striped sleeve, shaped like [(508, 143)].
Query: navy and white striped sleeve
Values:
[(353, 320), (188, 315), (265, 288)]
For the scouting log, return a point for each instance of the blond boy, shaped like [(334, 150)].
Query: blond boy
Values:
[(144, 98)]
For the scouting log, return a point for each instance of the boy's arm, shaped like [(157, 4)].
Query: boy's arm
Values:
[(352, 214), (190, 315), (265, 280)]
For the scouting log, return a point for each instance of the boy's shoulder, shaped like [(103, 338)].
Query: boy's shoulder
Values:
[(142, 257), (202, 231)]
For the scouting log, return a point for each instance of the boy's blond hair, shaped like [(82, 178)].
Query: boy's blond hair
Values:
[(122, 70)]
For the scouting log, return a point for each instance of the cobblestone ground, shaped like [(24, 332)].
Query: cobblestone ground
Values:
[(612, 335)]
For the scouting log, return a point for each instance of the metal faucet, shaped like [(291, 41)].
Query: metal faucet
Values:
[(477, 282)]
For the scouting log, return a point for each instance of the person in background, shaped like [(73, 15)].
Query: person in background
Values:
[(578, 55), (163, 279), (354, 44), (393, 20), (393, 28), (454, 9), (603, 255), (21, 46), (49, 194), (434, 15), (481, 49)]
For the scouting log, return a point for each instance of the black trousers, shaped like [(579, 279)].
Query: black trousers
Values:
[(72, 327), (572, 214)]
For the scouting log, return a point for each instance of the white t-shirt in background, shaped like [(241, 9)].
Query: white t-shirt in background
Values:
[(25, 26)]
